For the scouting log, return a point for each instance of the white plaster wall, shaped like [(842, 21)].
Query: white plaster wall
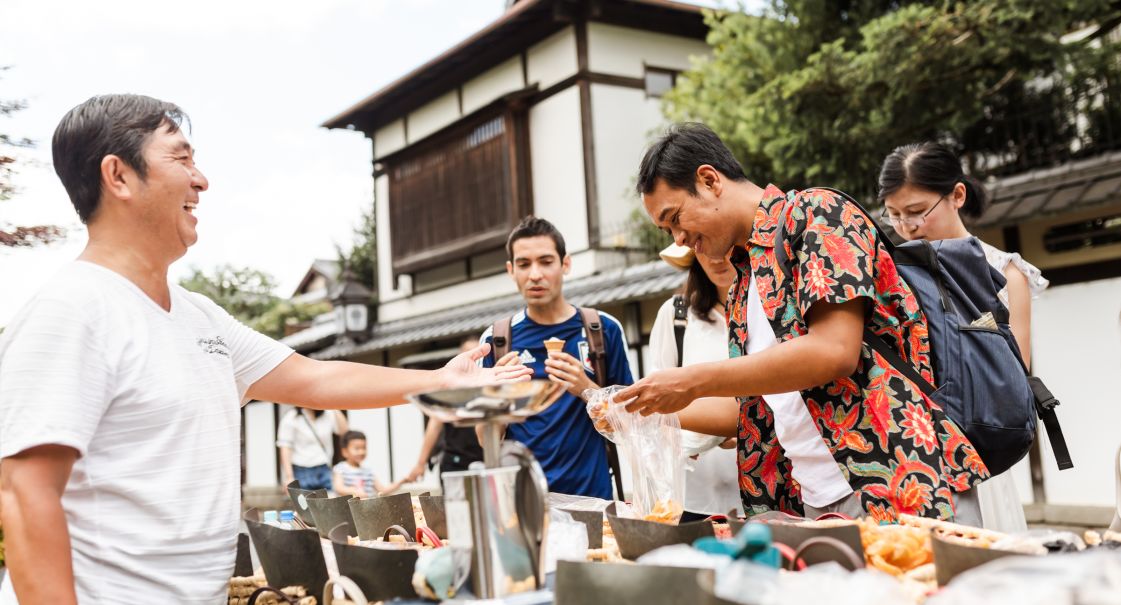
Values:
[(433, 116), (623, 51), (260, 445), (490, 85), (389, 138), (624, 120), (408, 436), (486, 288), (553, 59), (1076, 350), (445, 298), (557, 162), (373, 424)]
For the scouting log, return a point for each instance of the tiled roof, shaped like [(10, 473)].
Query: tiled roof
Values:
[(610, 287), (1072, 186)]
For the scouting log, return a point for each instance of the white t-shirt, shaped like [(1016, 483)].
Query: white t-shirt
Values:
[(150, 399), (308, 449), (712, 487), (812, 464)]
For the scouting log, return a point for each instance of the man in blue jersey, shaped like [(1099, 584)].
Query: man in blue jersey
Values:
[(562, 438)]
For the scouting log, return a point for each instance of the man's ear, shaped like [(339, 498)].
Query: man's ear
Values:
[(709, 178), (567, 264), (510, 268), (117, 178)]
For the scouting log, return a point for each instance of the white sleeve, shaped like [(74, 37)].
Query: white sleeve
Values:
[(253, 354), (57, 378), (286, 433), (663, 346)]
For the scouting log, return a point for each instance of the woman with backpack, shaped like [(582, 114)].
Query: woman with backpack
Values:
[(927, 195), (690, 328)]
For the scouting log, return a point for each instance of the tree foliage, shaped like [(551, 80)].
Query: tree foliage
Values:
[(249, 295), (18, 236), (362, 256), (817, 92)]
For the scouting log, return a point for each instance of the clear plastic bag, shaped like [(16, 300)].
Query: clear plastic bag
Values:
[(1085, 578), (567, 540), (651, 446)]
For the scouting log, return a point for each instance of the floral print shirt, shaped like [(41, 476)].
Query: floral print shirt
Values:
[(898, 450)]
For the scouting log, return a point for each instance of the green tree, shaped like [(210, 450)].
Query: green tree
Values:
[(14, 236), (818, 92), (249, 295), (361, 257)]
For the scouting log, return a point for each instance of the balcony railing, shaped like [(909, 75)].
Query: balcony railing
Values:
[(1045, 128)]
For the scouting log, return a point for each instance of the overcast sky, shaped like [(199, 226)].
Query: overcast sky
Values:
[(257, 77)]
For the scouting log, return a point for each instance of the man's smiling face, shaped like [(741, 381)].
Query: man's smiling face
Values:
[(694, 220)]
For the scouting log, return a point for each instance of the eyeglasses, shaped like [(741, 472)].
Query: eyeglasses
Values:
[(910, 220)]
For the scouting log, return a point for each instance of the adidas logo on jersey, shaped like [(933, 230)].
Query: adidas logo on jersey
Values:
[(526, 357)]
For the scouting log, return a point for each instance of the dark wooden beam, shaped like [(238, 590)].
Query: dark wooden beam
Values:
[(591, 192)]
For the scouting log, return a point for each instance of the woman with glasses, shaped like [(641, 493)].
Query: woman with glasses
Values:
[(926, 195)]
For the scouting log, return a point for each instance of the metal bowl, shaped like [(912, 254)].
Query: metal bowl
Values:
[(504, 403)]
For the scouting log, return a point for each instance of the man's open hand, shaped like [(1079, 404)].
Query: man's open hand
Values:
[(464, 371)]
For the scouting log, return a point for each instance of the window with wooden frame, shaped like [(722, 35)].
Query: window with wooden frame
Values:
[(459, 193), (657, 81)]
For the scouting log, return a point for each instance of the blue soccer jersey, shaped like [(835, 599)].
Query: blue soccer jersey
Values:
[(562, 438)]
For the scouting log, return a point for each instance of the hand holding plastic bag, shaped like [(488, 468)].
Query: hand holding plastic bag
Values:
[(652, 447)]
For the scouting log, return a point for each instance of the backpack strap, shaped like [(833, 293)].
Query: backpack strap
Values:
[(500, 337), (1045, 404), (593, 329), (680, 320)]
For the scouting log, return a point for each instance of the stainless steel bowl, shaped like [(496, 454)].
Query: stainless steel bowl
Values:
[(497, 403)]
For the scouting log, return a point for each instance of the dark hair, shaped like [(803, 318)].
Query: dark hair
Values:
[(351, 436), (676, 155), (700, 293), (106, 125), (531, 226), (934, 167)]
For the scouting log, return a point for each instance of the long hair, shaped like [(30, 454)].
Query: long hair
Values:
[(700, 293)]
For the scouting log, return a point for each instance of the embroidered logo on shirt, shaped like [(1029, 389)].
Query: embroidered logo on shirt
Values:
[(586, 356), (526, 357), (214, 346)]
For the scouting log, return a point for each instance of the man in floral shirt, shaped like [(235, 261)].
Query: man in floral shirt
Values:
[(825, 423)]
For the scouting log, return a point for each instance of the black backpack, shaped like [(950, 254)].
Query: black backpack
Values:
[(986, 388)]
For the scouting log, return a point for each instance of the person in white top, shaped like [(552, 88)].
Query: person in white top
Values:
[(120, 392), (305, 439), (711, 486), (927, 196)]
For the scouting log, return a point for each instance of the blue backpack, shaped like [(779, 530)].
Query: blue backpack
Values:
[(985, 386)]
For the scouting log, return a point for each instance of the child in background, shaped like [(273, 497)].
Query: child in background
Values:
[(350, 478)]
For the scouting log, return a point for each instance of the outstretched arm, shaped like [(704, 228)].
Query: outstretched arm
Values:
[(326, 385), (831, 350)]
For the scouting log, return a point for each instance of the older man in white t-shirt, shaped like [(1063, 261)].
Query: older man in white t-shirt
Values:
[(120, 393)]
